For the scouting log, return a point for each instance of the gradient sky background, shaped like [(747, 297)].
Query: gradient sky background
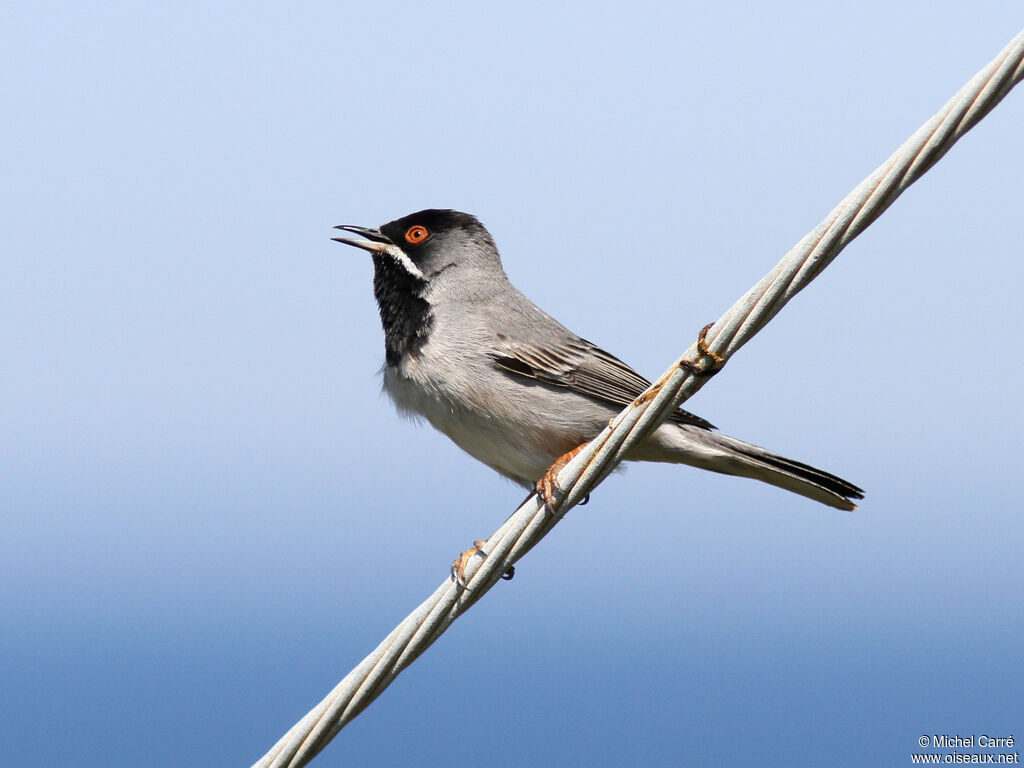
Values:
[(210, 514)]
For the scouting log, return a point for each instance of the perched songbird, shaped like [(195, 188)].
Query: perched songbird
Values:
[(508, 383)]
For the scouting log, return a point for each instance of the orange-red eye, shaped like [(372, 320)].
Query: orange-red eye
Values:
[(417, 234)]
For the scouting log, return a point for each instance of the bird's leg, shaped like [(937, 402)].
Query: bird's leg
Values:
[(547, 485), (458, 570), (545, 488), (702, 346)]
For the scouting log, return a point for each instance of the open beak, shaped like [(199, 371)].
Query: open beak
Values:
[(375, 242)]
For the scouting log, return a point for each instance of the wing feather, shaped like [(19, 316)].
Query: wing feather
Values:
[(583, 367)]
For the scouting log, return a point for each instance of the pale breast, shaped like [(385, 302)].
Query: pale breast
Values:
[(515, 428)]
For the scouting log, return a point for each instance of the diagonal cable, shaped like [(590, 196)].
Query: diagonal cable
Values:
[(531, 522)]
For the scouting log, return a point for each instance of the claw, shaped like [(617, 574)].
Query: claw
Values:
[(548, 484), (458, 569), (545, 488)]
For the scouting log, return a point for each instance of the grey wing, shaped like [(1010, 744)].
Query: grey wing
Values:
[(583, 367)]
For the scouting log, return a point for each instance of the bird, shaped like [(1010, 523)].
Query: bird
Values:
[(468, 352)]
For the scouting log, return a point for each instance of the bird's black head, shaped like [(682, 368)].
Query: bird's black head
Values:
[(435, 237), (420, 260), (428, 242)]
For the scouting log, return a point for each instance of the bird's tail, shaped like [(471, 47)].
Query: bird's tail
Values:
[(684, 444)]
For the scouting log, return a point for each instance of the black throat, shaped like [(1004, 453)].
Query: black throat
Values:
[(404, 313)]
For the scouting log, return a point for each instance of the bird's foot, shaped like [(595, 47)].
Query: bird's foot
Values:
[(547, 485), (458, 570), (717, 361)]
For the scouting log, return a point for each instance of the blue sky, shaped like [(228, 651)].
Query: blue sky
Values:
[(211, 514)]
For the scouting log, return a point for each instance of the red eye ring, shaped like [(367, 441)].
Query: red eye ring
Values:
[(416, 234)]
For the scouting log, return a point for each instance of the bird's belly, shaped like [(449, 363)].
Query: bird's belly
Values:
[(492, 427)]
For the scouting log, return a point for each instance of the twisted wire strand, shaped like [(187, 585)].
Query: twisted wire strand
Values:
[(532, 521)]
